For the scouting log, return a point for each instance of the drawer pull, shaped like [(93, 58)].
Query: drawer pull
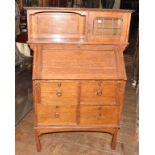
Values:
[(99, 93), (100, 114), (56, 115), (59, 84), (59, 94)]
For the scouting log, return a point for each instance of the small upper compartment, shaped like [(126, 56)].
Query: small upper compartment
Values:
[(57, 25), (109, 26)]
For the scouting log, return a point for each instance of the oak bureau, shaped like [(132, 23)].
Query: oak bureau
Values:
[(78, 69)]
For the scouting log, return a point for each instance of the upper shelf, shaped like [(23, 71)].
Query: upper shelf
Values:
[(84, 25)]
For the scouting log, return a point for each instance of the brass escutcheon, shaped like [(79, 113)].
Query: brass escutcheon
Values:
[(99, 93)]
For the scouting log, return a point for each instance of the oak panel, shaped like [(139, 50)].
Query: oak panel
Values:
[(56, 25), (76, 64)]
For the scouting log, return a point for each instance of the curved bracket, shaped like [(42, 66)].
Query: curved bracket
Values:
[(32, 46)]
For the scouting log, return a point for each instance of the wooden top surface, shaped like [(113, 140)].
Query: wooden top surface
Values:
[(72, 41), (78, 9)]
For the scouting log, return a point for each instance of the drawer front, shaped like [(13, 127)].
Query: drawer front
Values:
[(98, 92), (52, 93), (99, 115), (59, 98), (56, 115)]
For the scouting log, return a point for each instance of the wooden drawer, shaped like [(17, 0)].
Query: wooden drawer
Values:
[(56, 115), (53, 98), (98, 92), (99, 115), (60, 92)]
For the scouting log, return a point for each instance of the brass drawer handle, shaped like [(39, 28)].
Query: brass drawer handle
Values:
[(99, 93), (56, 115), (59, 94)]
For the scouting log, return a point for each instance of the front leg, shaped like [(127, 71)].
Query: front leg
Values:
[(37, 140), (114, 139)]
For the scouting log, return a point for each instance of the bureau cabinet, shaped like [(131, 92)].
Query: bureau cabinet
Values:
[(78, 69)]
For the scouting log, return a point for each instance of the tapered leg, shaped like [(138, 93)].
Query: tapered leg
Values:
[(38, 145), (114, 140)]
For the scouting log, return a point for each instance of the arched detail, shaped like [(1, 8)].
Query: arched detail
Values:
[(81, 13)]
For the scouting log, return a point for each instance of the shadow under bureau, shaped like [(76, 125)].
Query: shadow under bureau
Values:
[(78, 69)]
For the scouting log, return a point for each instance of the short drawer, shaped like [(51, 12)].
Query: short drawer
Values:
[(58, 97), (61, 92), (98, 92), (99, 115), (56, 115)]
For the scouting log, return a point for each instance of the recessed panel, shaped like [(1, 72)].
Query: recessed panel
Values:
[(58, 25), (76, 64)]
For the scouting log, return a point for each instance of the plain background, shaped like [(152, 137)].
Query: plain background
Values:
[(147, 77)]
